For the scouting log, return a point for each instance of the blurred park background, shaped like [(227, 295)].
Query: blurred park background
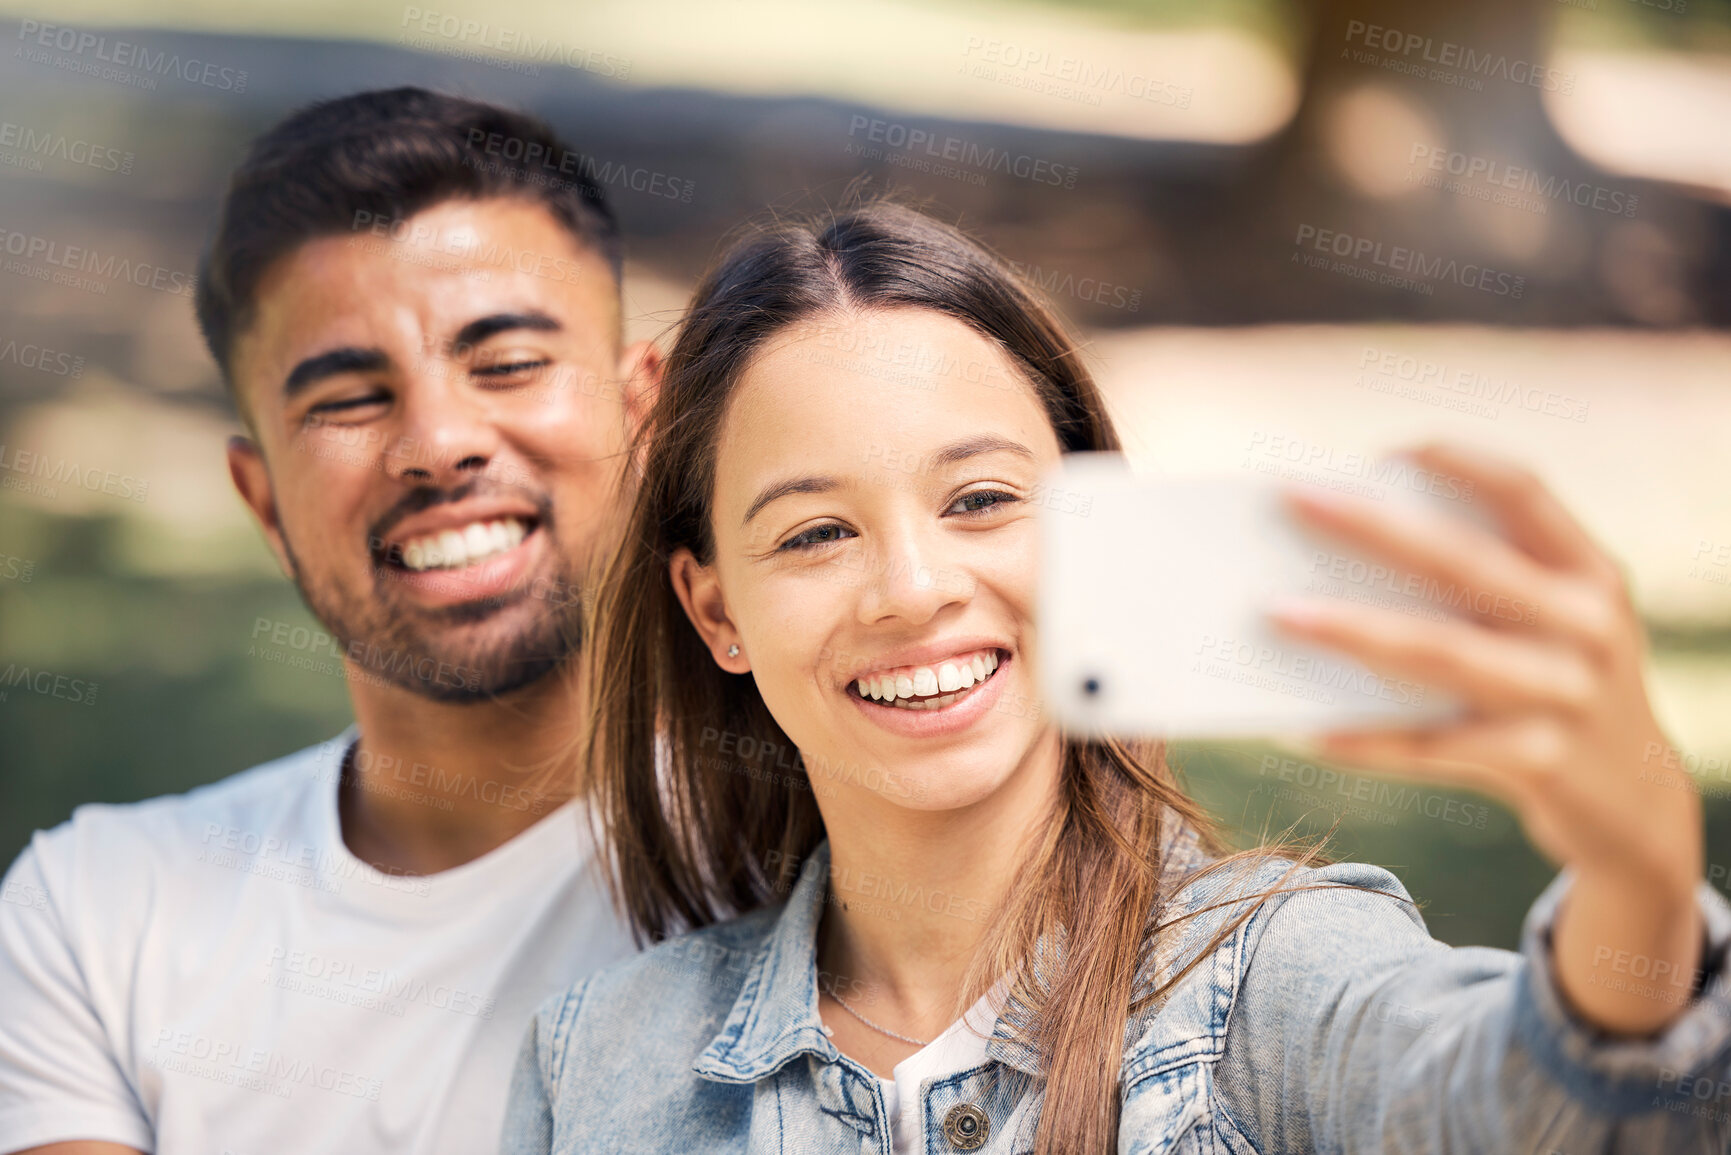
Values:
[(1177, 174)]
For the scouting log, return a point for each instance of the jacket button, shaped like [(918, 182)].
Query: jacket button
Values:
[(966, 1127)]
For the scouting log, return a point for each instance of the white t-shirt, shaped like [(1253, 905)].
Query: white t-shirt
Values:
[(214, 973)]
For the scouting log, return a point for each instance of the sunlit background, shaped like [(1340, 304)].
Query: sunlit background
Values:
[(1177, 174)]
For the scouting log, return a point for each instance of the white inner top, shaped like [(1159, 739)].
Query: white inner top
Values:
[(961, 1047)]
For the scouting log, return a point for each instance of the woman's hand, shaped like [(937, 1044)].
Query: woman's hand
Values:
[(1558, 724)]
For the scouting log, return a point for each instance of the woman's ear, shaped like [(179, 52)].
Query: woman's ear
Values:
[(699, 591)]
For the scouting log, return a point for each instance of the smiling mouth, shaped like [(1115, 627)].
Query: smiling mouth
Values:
[(929, 687), (459, 547)]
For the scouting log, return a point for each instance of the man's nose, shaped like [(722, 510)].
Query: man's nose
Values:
[(446, 436)]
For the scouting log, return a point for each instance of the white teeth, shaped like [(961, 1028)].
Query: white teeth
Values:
[(454, 549), (478, 540), (948, 679)]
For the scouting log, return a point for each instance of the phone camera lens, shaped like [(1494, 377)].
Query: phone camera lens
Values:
[(1090, 686)]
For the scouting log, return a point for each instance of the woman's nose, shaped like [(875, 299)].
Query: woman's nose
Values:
[(911, 579)]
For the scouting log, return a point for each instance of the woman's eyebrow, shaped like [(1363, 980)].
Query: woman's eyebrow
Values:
[(783, 488), (950, 454), (974, 446)]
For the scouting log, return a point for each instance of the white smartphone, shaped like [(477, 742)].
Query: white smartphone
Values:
[(1153, 597)]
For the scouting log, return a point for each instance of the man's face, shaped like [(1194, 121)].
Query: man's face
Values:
[(439, 438)]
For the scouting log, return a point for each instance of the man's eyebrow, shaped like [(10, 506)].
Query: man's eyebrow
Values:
[(950, 454), (349, 359), (479, 330)]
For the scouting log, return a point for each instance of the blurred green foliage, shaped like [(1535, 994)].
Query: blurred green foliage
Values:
[(179, 701)]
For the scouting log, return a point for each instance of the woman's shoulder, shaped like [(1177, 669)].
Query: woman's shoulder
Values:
[(679, 988), (704, 965), (1222, 914), (609, 1063), (1210, 890), (1227, 919), (1214, 891)]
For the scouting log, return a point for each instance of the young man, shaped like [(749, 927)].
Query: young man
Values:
[(415, 302)]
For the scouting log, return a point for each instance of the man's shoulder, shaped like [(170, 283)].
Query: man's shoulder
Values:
[(252, 805)]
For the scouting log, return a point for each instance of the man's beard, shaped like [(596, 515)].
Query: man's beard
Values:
[(410, 646)]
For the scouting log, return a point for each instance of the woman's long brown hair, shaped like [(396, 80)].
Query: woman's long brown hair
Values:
[(699, 842)]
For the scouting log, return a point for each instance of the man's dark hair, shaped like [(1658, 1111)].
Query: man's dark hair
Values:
[(377, 157)]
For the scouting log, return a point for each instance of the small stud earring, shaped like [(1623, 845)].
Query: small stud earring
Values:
[(733, 650)]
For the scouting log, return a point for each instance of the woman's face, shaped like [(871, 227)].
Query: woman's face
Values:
[(874, 519)]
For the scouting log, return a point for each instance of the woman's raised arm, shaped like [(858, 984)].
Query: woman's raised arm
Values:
[(1559, 726), (1354, 1031)]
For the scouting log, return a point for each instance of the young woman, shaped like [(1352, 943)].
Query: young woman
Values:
[(998, 937)]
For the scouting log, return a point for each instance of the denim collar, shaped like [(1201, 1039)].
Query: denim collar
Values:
[(775, 1017)]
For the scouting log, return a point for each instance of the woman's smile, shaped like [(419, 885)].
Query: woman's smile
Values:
[(911, 700), (929, 687)]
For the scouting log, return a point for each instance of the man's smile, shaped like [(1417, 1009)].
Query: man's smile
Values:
[(467, 550)]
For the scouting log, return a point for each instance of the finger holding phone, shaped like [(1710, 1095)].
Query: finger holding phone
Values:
[(1557, 724)]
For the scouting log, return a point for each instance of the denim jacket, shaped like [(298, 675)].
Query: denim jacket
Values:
[(1329, 1021)]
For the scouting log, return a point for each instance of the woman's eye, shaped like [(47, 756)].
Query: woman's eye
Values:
[(817, 535), (985, 498)]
